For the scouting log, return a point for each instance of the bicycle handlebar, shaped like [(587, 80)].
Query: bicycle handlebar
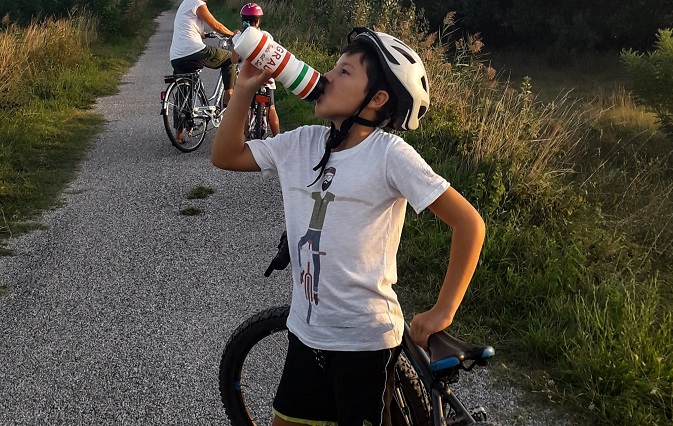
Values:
[(282, 258), (225, 41)]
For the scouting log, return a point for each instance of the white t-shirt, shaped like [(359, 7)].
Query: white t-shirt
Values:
[(347, 227), (187, 29)]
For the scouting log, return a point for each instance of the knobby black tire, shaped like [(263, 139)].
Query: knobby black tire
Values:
[(410, 404), (259, 121), (247, 400), (174, 115)]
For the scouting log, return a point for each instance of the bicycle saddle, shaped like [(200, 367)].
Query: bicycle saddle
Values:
[(190, 67), (447, 351)]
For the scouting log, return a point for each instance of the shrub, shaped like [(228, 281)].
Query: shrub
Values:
[(651, 78)]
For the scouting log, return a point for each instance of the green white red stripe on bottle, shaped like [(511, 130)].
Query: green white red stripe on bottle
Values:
[(259, 48)]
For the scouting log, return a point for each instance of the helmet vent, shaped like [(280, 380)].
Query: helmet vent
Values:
[(421, 111), (424, 83), (405, 54)]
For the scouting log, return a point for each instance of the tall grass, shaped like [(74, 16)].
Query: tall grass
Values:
[(51, 72), (577, 215), (628, 170), (32, 58)]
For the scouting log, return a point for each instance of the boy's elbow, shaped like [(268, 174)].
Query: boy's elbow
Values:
[(221, 160), (218, 163), (480, 228), (217, 159), (474, 224)]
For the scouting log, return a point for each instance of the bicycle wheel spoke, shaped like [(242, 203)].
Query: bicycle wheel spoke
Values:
[(261, 374)]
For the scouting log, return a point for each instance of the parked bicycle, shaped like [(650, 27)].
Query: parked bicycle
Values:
[(253, 358), (186, 109)]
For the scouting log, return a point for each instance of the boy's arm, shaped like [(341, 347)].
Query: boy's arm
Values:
[(229, 150), (468, 237)]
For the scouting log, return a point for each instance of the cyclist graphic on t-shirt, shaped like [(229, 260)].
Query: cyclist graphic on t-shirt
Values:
[(310, 242)]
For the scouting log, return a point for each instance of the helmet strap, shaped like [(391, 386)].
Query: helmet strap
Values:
[(338, 136)]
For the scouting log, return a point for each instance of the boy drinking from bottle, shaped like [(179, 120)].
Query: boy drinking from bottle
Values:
[(345, 191)]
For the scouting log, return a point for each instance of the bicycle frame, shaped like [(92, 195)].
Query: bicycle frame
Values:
[(218, 91), (440, 391)]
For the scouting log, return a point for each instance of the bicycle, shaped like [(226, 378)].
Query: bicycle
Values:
[(258, 126), (253, 359), (258, 118), (186, 109)]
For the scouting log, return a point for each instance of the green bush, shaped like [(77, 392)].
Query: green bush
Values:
[(651, 78)]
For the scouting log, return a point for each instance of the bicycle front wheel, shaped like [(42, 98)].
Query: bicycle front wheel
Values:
[(186, 128), (410, 405), (251, 367)]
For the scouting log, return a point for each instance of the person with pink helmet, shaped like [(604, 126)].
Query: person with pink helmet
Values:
[(251, 16)]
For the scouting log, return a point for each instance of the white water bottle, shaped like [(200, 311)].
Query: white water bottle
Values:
[(258, 48)]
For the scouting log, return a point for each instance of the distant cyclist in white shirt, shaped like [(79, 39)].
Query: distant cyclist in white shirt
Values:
[(188, 51)]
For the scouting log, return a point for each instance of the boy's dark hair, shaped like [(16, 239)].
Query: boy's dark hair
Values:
[(250, 19), (375, 77)]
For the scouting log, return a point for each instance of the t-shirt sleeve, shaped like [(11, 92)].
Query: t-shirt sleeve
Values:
[(268, 153), (410, 175), (197, 4)]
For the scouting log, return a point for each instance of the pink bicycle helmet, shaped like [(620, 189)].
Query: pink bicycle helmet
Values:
[(251, 9)]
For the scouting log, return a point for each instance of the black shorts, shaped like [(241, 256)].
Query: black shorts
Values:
[(328, 387)]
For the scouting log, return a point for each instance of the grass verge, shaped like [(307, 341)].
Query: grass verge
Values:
[(47, 124)]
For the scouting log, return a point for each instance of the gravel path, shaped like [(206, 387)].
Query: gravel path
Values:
[(119, 310)]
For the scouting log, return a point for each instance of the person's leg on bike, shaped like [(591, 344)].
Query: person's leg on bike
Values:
[(222, 59), (274, 122), (209, 56)]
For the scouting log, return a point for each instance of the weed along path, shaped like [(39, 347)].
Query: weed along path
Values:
[(119, 309)]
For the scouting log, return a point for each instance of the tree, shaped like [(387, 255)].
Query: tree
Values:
[(572, 26)]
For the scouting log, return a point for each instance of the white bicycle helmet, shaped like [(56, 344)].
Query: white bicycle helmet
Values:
[(404, 72)]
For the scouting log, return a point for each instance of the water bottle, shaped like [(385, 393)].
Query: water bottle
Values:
[(258, 48)]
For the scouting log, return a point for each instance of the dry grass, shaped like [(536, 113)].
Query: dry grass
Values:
[(41, 49)]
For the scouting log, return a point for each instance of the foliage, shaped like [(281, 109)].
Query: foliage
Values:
[(59, 46), (651, 78), (561, 27), (560, 272), (116, 17)]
